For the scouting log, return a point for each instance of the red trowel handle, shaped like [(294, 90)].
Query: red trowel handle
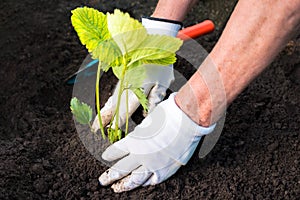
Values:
[(197, 30)]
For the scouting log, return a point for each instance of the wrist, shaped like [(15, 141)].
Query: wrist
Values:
[(203, 97), (180, 118), (196, 104)]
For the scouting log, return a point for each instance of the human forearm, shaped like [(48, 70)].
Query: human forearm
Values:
[(254, 35), (173, 10)]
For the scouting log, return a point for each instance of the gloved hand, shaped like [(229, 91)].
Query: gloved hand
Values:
[(158, 79), (155, 150)]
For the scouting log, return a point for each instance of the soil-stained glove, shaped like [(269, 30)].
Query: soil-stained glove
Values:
[(155, 150), (158, 79)]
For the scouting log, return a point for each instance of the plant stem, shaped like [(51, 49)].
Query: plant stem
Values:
[(120, 93), (98, 100), (127, 114)]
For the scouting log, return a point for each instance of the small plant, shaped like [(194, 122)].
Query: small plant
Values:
[(121, 43)]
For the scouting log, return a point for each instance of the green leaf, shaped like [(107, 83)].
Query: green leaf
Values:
[(91, 26), (156, 49), (135, 77), (127, 32), (81, 111), (163, 61), (108, 53), (142, 97), (117, 70)]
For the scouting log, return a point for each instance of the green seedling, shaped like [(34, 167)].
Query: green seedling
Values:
[(122, 44)]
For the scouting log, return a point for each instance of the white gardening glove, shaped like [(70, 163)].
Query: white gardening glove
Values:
[(158, 79), (155, 150)]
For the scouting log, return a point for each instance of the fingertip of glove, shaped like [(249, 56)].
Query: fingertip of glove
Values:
[(117, 188), (103, 179)]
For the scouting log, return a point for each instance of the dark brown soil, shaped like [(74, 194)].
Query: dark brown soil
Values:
[(42, 157)]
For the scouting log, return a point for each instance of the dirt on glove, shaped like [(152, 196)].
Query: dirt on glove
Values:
[(42, 157)]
